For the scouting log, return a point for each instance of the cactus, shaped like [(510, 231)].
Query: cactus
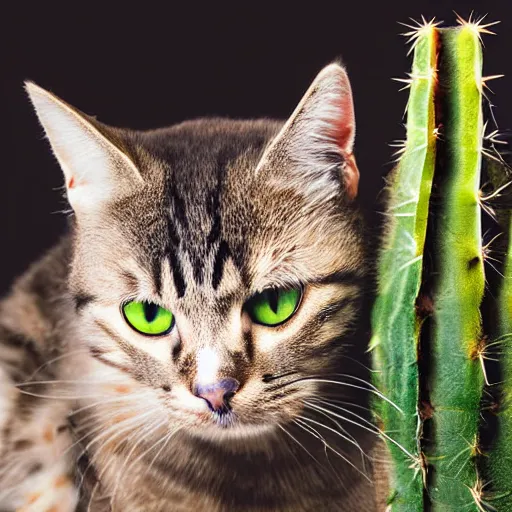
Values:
[(428, 344), (500, 456), (395, 316), (457, 331), (499, 461)]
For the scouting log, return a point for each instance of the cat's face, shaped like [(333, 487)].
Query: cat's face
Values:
[(217, 263)]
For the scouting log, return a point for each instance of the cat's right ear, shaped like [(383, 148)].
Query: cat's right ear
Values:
[(96, 169)]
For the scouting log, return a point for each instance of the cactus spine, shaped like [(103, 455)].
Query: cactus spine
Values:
[(434, 373)]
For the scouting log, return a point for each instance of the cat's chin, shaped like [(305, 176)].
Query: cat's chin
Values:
[(221, 429)]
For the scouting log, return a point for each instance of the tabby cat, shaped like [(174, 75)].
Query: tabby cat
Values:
[(194, 342)]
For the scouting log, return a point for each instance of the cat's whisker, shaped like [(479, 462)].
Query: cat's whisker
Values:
[(359, 363), (359, 379), (14, 467), (348, 384), (167, 438), (103, 421), (131, 396), (315, 433), (101, 383), (55, 359), (344, 434), (93, 493), (330, 402), (150, 430), (106, 443), (97, 453), (299, 443), (10, 467), (58, 397), (117, 416), (125, 426), (374, 430), (346, 459), (348, 411), (345, 402), (89, 433), (312, 431), (319, 378)]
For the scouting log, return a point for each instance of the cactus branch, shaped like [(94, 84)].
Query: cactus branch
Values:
[(395, 320)]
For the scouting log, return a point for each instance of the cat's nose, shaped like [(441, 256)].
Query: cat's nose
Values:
[(218, 394)]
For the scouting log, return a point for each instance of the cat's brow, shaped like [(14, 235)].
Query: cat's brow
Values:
[(130, 280), (335, 307), (279, 279), (82, 300), (348, 277)]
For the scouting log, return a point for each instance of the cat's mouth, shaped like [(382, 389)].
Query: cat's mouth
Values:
[(224, 419), (227, 424), (229, 427)]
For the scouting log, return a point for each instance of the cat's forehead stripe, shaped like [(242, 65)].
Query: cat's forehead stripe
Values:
[(177, 273), (185, 242), (171, 252), (223, 253)]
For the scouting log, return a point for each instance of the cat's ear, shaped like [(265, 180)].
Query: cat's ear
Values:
[(314, 149), (96, 169)]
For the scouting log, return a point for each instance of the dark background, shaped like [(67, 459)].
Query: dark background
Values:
[(139, 66)]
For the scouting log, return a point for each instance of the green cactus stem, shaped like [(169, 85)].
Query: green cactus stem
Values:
[(396, 324), (456, 376), (499, 460)]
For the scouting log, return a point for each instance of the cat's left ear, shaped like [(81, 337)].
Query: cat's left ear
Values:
[(96, 169), (314, 149)]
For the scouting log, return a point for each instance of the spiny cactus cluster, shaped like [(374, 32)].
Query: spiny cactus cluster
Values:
[(430, 344)]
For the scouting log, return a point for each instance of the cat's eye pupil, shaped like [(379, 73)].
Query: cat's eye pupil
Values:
[(273, 299), (150, 311)]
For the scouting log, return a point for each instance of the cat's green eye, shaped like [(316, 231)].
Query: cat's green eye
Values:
[(274, 306), (148, 318)]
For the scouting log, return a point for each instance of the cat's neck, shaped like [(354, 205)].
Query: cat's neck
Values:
[(276, 472)]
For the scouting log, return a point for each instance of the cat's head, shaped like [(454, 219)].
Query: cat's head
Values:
[(218, 263)]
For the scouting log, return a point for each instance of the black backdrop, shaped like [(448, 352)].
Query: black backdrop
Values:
[(140, 66)]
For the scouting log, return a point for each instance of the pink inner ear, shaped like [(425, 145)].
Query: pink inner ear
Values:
[(342, 126), (342, 131), (351, 175)]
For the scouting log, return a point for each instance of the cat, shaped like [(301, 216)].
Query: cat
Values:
[(196, 340)]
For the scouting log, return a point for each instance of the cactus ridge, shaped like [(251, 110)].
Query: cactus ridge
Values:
[(430, 352)]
